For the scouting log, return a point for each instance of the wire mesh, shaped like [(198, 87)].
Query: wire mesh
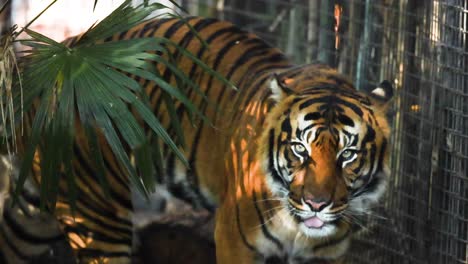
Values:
[(422, 47)]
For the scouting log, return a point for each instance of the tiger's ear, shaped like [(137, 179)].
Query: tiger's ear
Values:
[(278, 88), (382, 97), (383, 93)]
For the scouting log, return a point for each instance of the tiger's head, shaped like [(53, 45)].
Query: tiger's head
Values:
[(325, 149)]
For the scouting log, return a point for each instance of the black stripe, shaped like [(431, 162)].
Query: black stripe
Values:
[(310, 92), (208, 40), (271, 166), (123, 35), (349, 136), (244, 239), (312, 116), (153, 27), (369, 187), (87, 179), (176, 26), (339, 80), (108, 213), (298, 131), (30, 198), (255, 71), (260, 48), (183, 43), (361, 163), (267, 203), (24, 235), (191, 33), (80, 228), (383, 148), (185, 193), (222, 54), (345, 120), (96, 253), (279, 143), (90, 170), (312, 101), (369, 136), (263, 225), (286, 125), (88, 176), (336, 135), (310, 127), (100, 213), (372, 162), (154, 91), (331, 99), (246, 56), (244, 94), (19, 253), (120, 175), (168, 34), (293, 72), (319, 130), (192, 175), (231, 30), (286, 154), (191, 194)]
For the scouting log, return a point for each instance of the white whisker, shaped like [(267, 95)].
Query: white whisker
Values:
[(275, 215), (271, 199)]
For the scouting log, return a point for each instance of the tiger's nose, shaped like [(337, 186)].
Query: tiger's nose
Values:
[(316, 204)]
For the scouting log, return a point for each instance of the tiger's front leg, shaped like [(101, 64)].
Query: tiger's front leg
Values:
[(234, 240)]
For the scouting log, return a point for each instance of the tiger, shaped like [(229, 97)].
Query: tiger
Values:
[(291, 157)]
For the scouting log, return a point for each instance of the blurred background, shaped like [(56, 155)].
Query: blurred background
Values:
[(420, 46)]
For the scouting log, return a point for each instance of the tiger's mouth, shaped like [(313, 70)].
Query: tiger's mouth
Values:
[(313, 222), (316, 220), (317, 226)]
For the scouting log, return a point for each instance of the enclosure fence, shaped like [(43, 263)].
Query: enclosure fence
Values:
[(422, 48)]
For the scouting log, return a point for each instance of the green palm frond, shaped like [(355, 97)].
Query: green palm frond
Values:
[(89, 82)]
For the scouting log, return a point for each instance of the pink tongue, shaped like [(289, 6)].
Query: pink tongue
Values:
[(313, 222)]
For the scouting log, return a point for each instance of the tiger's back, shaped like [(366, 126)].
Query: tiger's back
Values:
[(239, 56)]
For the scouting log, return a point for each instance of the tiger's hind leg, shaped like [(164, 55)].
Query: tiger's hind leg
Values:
[(41, 240), (98, 236), (100, 228), (26, 234)]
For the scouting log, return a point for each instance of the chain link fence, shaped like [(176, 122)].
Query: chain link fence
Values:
[(422, 47)]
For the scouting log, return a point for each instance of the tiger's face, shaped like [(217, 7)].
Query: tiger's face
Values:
[(326, 151)]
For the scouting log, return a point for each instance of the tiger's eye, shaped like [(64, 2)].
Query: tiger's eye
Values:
[(347, 154), (298, 148)]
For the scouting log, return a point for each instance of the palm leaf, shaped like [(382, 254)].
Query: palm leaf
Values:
[(91, 80)]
